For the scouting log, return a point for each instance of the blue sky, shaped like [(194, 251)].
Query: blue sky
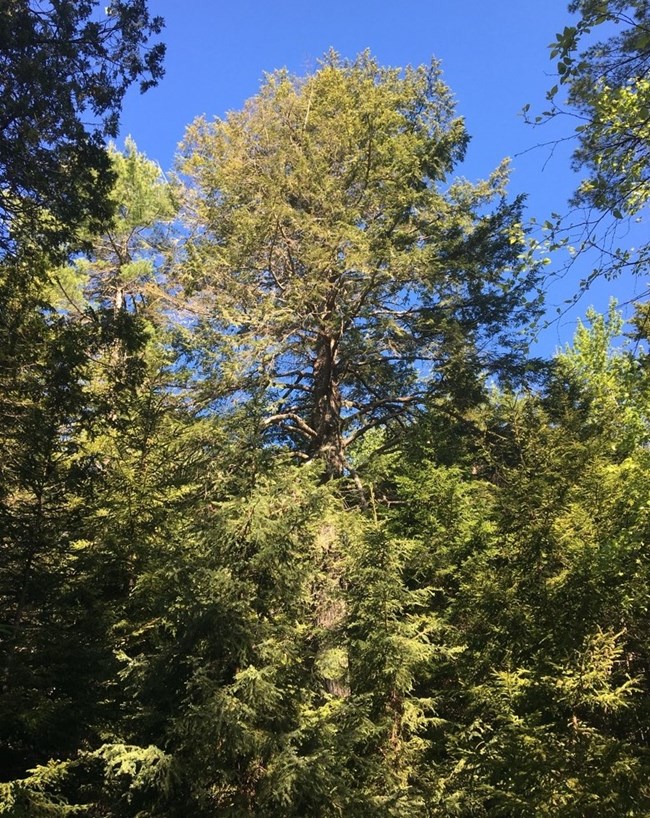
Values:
[(494, 57)]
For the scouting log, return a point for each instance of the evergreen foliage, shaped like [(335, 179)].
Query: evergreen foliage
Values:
[(64, 69), (430, 614), (341, 275)]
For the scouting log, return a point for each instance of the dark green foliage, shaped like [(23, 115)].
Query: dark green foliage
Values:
[(64, 70), (41, 501), (451, 621), (83, 487)]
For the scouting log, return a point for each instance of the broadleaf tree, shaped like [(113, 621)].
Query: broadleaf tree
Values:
[(603, 68)]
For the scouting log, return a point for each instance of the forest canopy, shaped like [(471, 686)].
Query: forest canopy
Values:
[(342, 276), (291, 523)]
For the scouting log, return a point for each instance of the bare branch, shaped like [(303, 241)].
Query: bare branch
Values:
[(300, 423)]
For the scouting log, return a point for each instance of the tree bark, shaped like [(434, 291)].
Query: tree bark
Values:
[(326, 414)]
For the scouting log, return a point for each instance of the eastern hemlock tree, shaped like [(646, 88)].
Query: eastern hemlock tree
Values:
[(85, 485), (42, 483), (338, 276), (540, 572), (64, 70)]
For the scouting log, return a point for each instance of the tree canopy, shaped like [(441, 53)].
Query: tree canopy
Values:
[(201, 613), (607, 79), (343, 275), (64, 69)]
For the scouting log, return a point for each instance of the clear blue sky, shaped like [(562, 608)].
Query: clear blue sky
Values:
[(494, 56)]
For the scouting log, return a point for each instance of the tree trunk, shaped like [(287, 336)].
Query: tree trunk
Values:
[(326, 412)]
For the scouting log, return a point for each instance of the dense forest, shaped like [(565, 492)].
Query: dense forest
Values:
[(291, 522)]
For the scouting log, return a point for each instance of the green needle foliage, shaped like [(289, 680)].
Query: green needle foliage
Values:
[(339, 273), (540, 553), (201, 614), (88, 417), (64, 69)]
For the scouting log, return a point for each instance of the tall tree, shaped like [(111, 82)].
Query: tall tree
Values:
[(83, 415), (64, 69), (340, 276)]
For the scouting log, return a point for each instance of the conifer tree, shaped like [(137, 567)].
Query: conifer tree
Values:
[(544, 704), (84, 481), (340, 275), (64, 70)]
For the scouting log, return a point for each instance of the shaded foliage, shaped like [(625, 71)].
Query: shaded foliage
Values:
[(195, 623), (64, 70)]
